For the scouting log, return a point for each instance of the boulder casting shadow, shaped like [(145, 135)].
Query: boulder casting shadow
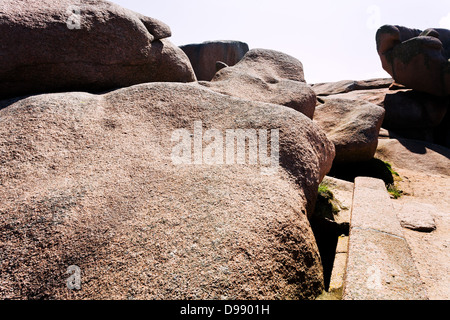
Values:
[(417, 59)]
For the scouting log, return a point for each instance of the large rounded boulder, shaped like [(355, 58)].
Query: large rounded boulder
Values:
[(267, 76), (353, 126), (204, 56), (134, 193), (65, 45), (415, 58)]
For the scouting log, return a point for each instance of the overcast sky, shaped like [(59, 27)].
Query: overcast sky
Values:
[(335, 40)]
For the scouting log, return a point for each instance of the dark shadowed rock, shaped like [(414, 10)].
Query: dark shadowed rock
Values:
[(89, 180), (419, 60), (414, 110), (421, 134), (409, 113), (267, 76), (352, 126), (220, 65), (442, 132), (65, 45), (204, 56)]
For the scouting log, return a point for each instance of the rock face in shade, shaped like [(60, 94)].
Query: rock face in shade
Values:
[(417, 59), (410, 114), (442, 132), (65, 45), (203, 56), (267, 76), (94, 185), (417, 115), (412, 110), (352, 126)]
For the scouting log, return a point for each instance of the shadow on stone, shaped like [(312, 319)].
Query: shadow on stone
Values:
[(374, 168), (327, 231)]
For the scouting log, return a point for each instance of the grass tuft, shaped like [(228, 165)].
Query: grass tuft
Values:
[(326, 199), (394, 191), (392, 188), (389, 167)]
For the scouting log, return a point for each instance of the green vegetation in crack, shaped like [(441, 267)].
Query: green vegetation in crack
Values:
[(375, 168), (326, 230), (327, 205), (394, 191), (393, 188)]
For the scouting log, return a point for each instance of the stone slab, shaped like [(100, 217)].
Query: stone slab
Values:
[(380, 265)]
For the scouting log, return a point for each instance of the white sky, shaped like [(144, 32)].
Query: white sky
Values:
[(335, 40)]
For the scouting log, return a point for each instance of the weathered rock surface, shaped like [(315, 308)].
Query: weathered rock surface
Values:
[(375, 96), (65, 45), (380, 265), (425, 177), (410, 114), (415, 155), (417, 216), (352, 126), (267, 76), (88, 180), (344, 86), (417, 59), (203, 56), (405, 109), (429, 192)]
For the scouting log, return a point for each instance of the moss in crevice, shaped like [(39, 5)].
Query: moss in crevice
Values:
[(375, 168), (393, 187), (327, 205), (394, 191), (326, 230)]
